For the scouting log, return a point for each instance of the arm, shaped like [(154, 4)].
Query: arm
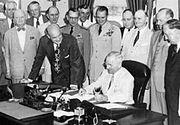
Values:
[(77, 66), (39, 58), (7, 55), (116, 39)]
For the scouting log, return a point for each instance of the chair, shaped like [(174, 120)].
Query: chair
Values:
[(141, 74)]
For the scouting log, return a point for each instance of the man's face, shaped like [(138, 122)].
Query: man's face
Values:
[(112, 65), (19, 18), (171, 34), (162, 18), (140, 19), (84, 14), (35, 10), (128, 20), (55, 36), (101, 17), (73, 18), (53, 15), (11, 7)]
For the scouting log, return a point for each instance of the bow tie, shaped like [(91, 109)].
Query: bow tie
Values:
[(20, 28)]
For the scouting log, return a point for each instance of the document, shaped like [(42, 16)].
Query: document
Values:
[(60, 113), (112, 105), (86, 97)]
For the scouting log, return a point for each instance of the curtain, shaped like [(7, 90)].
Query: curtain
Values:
[(76, 3), (135, 5), (179, 9)]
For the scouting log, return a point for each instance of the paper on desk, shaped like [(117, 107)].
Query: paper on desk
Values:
[(86, 97), (112, 105), (60, 113)]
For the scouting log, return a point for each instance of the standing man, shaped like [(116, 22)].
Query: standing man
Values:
[(36, 19), (21, 43), (105, 37), (157, 57), (84, 20), (9, 8), (53, 16), (172, 80), (128, 22), (80, 33), (62, 51)]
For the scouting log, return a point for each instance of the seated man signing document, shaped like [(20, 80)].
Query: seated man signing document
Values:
[(115, 84)]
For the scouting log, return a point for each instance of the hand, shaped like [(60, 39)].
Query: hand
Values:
[(26, 80), (100, 97), (82, 92), (73, 87)]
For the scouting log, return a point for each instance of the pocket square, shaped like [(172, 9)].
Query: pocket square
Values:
[(32, 37), (66, 56)]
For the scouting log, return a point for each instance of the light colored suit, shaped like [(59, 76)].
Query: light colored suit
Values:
[(140, 51), (19, 62), (109, 40), (121, 88), (4, 26)]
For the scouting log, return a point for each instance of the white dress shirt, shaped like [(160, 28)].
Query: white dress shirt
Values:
[(22, 37), (121, 88), (40, 21), (9, 22)]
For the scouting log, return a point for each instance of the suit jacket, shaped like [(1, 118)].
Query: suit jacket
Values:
[(3, 69), (19, 61), (4, 26), (121, 88), (83, 38), (71, 61), (172, 81), (140, 51), (30, 21)]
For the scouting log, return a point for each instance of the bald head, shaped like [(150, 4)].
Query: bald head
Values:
[(53, 14), (20, 18), (163, 16), (54, 33), (140, 19)]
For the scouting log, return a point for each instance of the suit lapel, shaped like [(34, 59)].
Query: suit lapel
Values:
[(15, 37), (27, 37)]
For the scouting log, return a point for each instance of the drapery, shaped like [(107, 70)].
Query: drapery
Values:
[(135, 5)]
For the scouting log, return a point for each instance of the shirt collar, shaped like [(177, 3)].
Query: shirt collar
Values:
[(178, 46)]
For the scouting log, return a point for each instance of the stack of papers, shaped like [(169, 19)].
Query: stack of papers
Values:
[(60, 113), (112, 106)]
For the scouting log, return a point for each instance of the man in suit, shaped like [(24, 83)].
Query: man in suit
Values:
[(53, 16), (105, 37), (157, 57), (115, 83), (62, 51), (80, 33), (36, 18), (6, 24), (172, 80), (128, 22), (136, 44), (21, 43)]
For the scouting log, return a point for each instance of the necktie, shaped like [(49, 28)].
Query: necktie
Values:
[(100, 30), (129, 30), (172, 50), (57, 58), (21, 28), (111, 81), (82, 24), (71, 31), (12, 23), (136, 38), (37, 23)]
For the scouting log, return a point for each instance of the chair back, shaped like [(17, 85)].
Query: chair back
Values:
[(141, 74)]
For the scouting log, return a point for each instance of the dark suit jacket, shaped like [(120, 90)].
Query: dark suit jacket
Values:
[(30, 21), (122, 31), (71, 61), (172, 80)]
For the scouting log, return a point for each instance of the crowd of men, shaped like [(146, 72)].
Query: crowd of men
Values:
[(87, 54)]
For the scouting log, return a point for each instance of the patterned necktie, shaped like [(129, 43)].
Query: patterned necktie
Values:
[(100, 30), (71, 31), (57, 58), (37, 23), (136, 38), (12, 23), (172, 50)]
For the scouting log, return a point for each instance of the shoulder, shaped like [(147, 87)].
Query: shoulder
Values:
[(64, 27), (68, 38), (127, 73), (10, 31), (31, 28), (92, 26)]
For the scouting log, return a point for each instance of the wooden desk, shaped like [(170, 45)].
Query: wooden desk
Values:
[(16, 114)]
